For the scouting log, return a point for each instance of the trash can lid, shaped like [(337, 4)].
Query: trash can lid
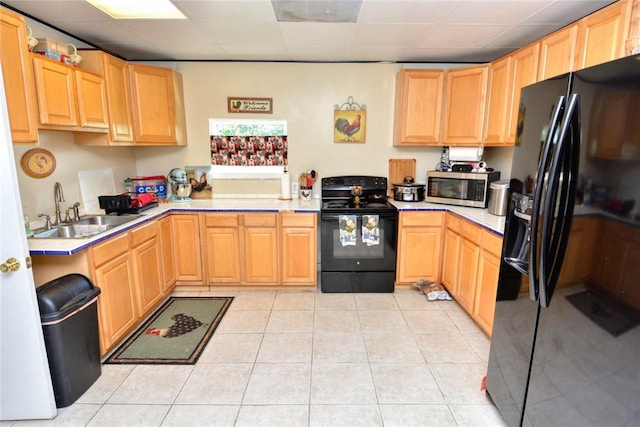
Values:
[(63, 294), (499, 184)]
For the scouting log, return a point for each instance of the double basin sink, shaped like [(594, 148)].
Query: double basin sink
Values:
[(85, 227)]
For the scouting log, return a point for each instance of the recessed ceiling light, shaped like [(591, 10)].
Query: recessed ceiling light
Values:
[(138, 9)]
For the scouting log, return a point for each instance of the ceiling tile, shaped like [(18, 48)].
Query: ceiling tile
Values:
[(225, 11), (457, 36), (317, 34), (493, 12), (390, 35), (404, 11)]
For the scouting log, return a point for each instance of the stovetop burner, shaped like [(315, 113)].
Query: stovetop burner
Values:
[(355, 193)]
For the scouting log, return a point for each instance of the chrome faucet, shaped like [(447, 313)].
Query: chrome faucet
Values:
[(58, 196)]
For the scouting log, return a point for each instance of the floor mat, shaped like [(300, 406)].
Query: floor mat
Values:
[(175, 334)]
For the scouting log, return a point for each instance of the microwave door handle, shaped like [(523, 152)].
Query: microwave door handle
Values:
[(561, 200), (539, 193)]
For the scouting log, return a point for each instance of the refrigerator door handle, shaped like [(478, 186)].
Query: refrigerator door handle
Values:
[(538, 196), (560, 200)]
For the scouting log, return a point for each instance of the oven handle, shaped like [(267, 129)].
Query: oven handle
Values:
[(336, 216)]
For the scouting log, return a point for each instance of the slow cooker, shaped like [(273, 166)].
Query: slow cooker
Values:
[(408, 191)]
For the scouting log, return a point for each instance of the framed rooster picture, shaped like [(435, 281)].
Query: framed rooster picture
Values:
[(349, 126)]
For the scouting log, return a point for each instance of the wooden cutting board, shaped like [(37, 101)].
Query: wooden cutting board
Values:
[(398, 169)]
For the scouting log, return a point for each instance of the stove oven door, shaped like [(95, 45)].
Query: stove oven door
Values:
[(360, 259)]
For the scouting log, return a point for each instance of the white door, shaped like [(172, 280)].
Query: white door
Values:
[(25, 383)]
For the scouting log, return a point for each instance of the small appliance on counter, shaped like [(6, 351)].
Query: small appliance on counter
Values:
[(460, 188), (408, 191), (127, 203), (180, 186)]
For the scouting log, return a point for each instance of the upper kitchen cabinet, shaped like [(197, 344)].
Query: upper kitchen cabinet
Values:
[(17, 71), (157, 105), (498, 102), (418, 107), (464, 105), (524, 68), (116, 76), (557, 52), (69, 97), (602, 35)]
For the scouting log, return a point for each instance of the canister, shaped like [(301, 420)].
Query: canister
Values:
[(150, 184), (499, 197)]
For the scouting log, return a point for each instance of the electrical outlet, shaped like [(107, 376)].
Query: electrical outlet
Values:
[(294, 188)]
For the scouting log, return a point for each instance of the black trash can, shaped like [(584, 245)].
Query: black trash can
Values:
[(69, 315)]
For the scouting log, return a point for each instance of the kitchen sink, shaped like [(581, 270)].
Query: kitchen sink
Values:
[(86, 227), (111, 220)]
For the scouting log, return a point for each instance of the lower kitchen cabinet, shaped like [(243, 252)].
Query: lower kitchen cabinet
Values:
[(114, 273), (260, 249), (487, 281), (168, 261), (145, 251), (222, 245), (419, 246), (187, 250), (299, 248)]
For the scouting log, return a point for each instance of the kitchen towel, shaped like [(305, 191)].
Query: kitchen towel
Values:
[(347, 226), (370, 230)]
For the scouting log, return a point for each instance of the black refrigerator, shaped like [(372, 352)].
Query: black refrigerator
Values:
[(565, 346)]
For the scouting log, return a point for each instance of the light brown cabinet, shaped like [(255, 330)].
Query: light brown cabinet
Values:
[(260, 248), (557, 52), (116, 76), (497, 112), (524, 70), (68, 97), (464, 105), (146, 255), (602, 35), (187, 250), (222, 244), (299, 248), (419, 246), (578, 257), (168, 261), (418, 107), (487, 281), (113, 272), (17, 71), (157, 105)]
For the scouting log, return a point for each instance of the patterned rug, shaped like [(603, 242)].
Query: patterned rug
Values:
[(175, 334)]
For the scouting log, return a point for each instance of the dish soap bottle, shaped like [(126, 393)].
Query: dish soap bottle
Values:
[(27, 226)]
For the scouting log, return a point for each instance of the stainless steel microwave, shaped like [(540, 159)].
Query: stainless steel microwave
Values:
[(460, 188)]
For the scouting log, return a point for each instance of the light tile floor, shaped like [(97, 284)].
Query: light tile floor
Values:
[(308, 359)]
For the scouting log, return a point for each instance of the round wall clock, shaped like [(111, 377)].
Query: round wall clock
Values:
[(38, 163)]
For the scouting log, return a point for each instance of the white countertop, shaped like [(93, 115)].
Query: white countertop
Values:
[(482, 217), (71, 246)]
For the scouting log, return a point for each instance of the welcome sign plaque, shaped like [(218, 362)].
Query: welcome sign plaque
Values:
[(250, 105)]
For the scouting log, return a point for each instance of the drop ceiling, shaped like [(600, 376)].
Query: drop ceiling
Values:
[(413, 31)]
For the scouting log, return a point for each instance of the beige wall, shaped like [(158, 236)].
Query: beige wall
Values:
[(304, 94)]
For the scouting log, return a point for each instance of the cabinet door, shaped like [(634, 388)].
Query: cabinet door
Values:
[(116, 304), (299, 248), (156, 115), (187, 250), (260, 249), (486, 288), (465, 97), (602, 35), (149, 286), (56, 92), (116, 74), (418, 254), (467, 276), (557, 52), (498, 102), (418, 112), (223, 255), (451, 253), (92, 100), (630, 291), (525, 70), (17, 71), (168, 261)]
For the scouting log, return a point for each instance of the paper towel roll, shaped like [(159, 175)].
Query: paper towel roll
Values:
[(465, 154), (285, 185)]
